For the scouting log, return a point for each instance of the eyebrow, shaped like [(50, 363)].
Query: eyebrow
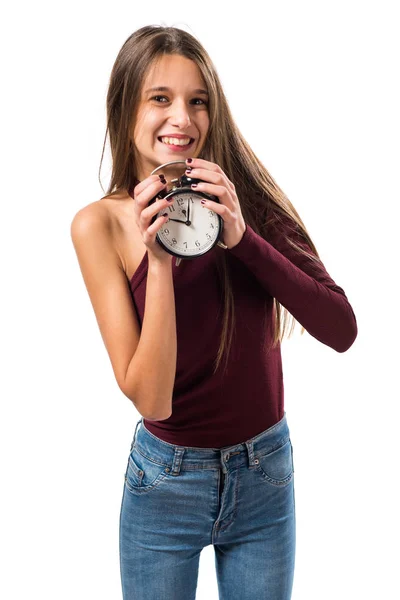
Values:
[(163, 88)]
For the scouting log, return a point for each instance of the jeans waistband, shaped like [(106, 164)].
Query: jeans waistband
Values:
[(189, 457)]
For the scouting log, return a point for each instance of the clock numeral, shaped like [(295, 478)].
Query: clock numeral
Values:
[(166, 231), (171, 208), (208, 236), (185, 244), (181, 201), (210, 213), (174, 241), (197, 243), (212, 226)]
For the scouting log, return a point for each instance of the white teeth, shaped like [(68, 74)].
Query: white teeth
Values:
[(175, 141)]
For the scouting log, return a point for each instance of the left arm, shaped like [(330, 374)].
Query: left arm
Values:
[(301, 285)]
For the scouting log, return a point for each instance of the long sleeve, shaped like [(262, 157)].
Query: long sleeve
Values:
[(300, 284)]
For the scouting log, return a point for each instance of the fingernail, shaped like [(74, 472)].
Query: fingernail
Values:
[(189, 160), (189, 170), (163, 181), (203, 201), (194, 185), (161, 176)]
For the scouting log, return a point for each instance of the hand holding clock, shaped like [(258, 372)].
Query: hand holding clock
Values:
[(198, 188), (215, 182), (145, 213)]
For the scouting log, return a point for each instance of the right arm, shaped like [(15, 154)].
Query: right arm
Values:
[(150, 376), (144, 362)]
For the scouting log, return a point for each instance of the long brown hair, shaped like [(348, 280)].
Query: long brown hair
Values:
[(263, 203)]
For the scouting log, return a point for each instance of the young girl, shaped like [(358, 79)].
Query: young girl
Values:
[(196, 346)]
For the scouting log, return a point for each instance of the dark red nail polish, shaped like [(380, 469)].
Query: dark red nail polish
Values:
[(194, 185), (161, 176), (189, 170), (189, 160)]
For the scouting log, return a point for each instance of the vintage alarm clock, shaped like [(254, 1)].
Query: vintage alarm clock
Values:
[(191, 229)]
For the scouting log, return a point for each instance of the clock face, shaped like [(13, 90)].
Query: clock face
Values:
[(191, 229)]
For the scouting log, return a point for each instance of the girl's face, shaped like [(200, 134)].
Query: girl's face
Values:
[(181, 109)]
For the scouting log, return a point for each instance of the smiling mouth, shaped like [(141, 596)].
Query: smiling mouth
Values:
[(167, 142)]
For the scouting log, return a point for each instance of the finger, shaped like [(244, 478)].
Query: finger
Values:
[(213, 177), (154, 227), (200, 163), (207, 175), (216, 190), (223, 208), (204, 164), (149, 212), (147, 189), (142, 185)]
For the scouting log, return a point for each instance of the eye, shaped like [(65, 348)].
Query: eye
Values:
[(202, 101)]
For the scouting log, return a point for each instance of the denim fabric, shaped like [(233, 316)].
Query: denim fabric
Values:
[(178, 499)]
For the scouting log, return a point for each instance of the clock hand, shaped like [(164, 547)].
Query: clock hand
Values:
[(177, 220), (188, 213)]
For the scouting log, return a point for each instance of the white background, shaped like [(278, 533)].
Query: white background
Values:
[(313, 86)]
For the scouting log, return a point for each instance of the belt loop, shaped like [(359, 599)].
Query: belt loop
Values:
[(250, 451), (134, 435), (176, 463)]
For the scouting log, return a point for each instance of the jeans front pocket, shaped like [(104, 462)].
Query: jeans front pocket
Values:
[(277, 467), (142, 473)]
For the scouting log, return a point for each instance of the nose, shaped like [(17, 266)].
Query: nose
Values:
[(180, 115)]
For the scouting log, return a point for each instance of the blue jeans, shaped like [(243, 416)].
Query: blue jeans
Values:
[(179, 499)]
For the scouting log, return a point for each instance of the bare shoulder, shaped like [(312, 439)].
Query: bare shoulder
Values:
[(113, 217), (97, 220), (93, 216)]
